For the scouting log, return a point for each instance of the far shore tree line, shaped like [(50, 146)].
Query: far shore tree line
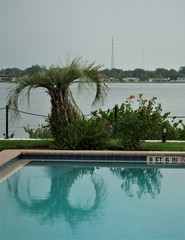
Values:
[(117, 74)]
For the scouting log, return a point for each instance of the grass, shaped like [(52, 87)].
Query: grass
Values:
[(48, 144), (25, 144), (167, 146)]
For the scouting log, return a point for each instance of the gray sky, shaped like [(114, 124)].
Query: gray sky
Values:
[(147, 33)]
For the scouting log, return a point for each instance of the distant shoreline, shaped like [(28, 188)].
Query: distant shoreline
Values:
[(141, 82)]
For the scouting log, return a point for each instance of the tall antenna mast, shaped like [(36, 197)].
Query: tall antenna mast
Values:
[(112, 54)]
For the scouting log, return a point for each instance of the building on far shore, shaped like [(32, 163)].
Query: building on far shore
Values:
[(180, 80), (4, 78), (159, 80), (130, 79)]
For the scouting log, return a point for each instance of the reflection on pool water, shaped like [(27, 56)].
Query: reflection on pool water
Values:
[(63, 201)]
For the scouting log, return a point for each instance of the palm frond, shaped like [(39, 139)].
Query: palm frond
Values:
[(74, 102), (22, 89), (91, 74), (101, 93), (56, 79)]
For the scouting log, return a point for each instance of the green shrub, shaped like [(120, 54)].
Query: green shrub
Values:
[(114, 144), (85, 134), (42, 132), (146, 122), (132, 126)]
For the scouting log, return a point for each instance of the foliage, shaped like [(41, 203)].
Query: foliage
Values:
[(140, 73), (138, 125), (182, 70), (176, 130), (57, 81), (42, 132), (11, 72), (114, 144), (132, 126), (32, 70), (114, 73), (121, 128), (16, 72), (84, 134), (143, 75)]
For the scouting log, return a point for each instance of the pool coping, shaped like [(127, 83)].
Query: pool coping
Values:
[(9, 156)]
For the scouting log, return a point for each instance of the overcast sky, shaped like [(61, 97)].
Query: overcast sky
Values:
[(147, 33)]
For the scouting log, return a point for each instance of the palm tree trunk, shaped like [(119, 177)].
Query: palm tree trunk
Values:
[(63, 112)]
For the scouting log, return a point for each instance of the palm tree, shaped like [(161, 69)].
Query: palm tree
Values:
[(57, 82)]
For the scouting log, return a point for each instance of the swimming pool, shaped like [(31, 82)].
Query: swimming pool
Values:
[(62, 200)]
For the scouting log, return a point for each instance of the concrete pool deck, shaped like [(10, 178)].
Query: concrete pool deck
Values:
[(7, 156)]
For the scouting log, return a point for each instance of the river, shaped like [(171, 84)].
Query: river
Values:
[(170, 95)]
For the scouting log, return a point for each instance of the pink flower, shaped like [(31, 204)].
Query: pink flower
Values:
[(145, 100), (132, 97)]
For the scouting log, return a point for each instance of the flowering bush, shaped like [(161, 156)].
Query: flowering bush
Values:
[(140, 124), (132, 126)]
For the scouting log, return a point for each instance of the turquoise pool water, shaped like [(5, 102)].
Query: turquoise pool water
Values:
[(64, 201)]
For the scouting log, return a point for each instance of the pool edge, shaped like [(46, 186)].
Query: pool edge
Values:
[(9, 156)]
